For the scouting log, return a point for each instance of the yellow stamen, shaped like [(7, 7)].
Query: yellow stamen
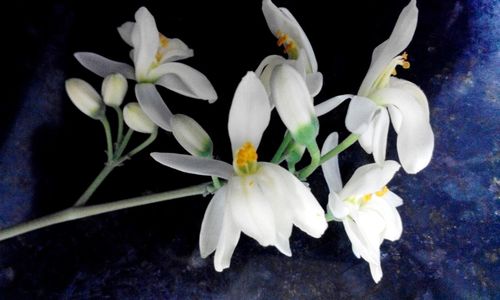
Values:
[(246, 159), (382, 191), (290, 46), (163, 41), (367, 197)]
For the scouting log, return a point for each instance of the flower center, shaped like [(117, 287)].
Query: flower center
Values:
[(161, 50), (383, 79), (290, 47), (245, 162), (380, 193)]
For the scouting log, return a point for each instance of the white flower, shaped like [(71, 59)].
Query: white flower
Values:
[(294, 104), (154, 57), (260, 199), (85, 98), (365, 206), (381, 95), (192, 137), (136, 119), (296, 44), (114, 88)]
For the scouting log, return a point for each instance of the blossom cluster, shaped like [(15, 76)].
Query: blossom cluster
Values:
[(264, 200)]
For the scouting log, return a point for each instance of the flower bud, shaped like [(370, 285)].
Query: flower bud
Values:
[(136, 119), (192, 137), (294, 104), (85, 98), (295, 153), (114, 88)]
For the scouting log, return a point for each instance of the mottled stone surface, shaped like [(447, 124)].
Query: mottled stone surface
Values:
[(49, 152)]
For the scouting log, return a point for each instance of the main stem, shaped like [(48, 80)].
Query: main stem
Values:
[(75, 213)]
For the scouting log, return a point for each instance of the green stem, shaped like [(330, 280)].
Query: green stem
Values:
[(216, 182), (277, 158), (141, 147), (351, 139), (124, 143), (120, 125), (95, 184), (109, 139), (329, 216), (74, 213), (313, 150)]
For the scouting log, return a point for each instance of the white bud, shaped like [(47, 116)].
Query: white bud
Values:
[(136, 119), (294, 104), (114, 88), (191, 136), (85, 98)]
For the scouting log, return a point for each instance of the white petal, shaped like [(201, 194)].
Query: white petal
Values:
[(392, 221), (307, 214), (146, 40), (398, 41), (251, 209), (366, 139), (211, 226), (330, 168), (265, 69), (415, 138), (330, 104), (380, 130), (314, 83), (370, 228), (153, 105), (229, 237), (281, 20), (103, 66), (194, 165), (125, 31), (293, 102), (360, 114), (413, 89), (337, 206), (396, 117), (360, 245), (184, 80), (393, 199), (249, 114), (176, 50), (369, 179), (376, 272)]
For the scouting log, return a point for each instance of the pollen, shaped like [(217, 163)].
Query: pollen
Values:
[(289, 45), (246, 155), (382, 191), (367, 197)]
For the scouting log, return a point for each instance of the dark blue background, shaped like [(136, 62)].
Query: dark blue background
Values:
[(49, 153)]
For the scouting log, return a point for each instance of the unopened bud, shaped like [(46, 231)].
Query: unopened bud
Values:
[(192, 137), (136, 119), (114, 88), (85, 98)]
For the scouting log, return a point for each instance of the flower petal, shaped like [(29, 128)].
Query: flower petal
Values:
[(307, 214), (251, 209), (153, 105), (184, 80), (380, 130), (393, 199), (211, 227), (266, 67), (103, 66), (293, 102), (398, 41), (249, 114), (229, 237), (413, 89), (176, 50), (361, 247), (330, 104), (360, 114), (366, 139), (314, 83), (337, 206), (392, 221), (280, 20), (396, 117), (125, 31), (146, 40), (376, 272), (194, 165), (330, 168), (369, 179), (415, 138)]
